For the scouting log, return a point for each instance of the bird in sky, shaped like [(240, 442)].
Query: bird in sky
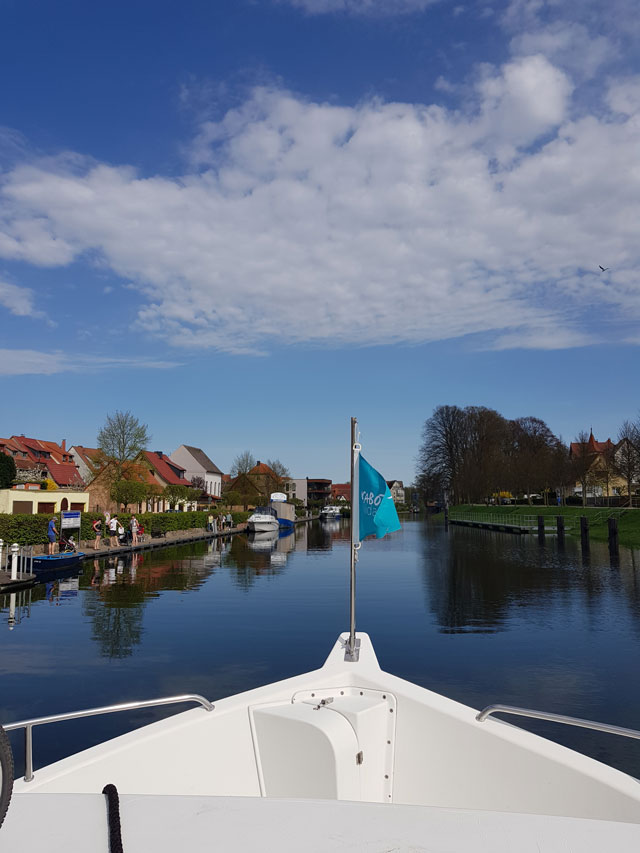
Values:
[(604, 269)]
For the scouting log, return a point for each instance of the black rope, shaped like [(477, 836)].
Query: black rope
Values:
[(113, 818)]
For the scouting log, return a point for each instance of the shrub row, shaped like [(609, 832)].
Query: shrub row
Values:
[(32, 529)]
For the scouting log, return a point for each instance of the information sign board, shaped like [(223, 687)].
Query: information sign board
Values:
[(70, 519)]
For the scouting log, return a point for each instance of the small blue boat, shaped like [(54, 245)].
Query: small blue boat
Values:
[(46, 563)]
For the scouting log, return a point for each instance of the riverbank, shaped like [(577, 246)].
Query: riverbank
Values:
[(628, 520)]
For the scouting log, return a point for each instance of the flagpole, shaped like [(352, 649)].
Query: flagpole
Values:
[(352, 650)]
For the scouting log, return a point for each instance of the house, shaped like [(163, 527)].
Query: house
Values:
[(29, 498), (26, 468), (196, 463), (99, 488), (256, 485), (49, 459), (596, 473), (396, 487), (89, 460), (296, 488), (318, 491), (341, 492)]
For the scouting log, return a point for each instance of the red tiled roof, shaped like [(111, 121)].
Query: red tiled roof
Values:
[(341, 490), (592, 446), (261, 468), (166, 469), (64, 473)]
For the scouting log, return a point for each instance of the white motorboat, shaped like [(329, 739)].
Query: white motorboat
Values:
[(345, 757), (330, 513), (263, 520)]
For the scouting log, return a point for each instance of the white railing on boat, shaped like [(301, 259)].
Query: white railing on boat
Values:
[(28, 725), (556, 718)]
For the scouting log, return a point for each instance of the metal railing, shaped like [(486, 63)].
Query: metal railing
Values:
[(513, 518), (28, 725), (556, 718), (500, 519)]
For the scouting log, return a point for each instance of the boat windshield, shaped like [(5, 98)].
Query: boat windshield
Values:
[(265, 510)]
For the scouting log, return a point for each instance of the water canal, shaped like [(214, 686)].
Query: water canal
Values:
[(479, 616)]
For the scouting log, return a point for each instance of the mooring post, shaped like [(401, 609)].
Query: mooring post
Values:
[(541, 526), (446, 517), (14, 561), (560, 528), (1, 546), (584, 532), (613, 535)]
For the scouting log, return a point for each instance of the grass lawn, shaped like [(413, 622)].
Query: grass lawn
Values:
[(628, 520)]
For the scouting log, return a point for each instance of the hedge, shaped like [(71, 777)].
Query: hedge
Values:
[(32, 529)]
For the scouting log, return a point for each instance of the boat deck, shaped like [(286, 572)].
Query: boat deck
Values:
[(70, 823)]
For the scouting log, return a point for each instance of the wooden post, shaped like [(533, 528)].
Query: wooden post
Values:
[(584, 532), (613, 535), (541, 526), (560, 528)]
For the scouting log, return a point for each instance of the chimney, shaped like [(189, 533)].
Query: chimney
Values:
[(63, 444), (158, 453)]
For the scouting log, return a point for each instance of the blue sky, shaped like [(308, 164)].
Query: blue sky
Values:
[(246, 221)]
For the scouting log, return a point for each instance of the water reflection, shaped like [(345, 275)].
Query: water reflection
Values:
[(477, 581)]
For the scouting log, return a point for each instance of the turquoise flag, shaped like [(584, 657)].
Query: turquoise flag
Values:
[(376, 508)]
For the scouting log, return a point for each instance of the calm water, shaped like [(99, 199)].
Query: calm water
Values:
[(479, 616)]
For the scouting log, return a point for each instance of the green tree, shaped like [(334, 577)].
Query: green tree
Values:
[(175, 493), (125, 492), (7, 471), (122, 438)]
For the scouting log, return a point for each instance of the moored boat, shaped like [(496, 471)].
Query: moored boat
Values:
[(262, 520), (330, 513), (44, 563)]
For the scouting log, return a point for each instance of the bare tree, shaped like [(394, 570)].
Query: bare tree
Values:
[(583, 457), (243, 463), (441, 452), (532, 456), (122, 438), (279, 469), (626, 459)]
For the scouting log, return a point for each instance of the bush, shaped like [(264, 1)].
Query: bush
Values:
[(32, 529)]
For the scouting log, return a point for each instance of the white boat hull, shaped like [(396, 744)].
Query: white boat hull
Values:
[(266, 526)]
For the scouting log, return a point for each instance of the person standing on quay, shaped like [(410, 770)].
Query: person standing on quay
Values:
[(97, 529), (210, 523), (133, 526), (229, 520), (113, 531), (52, 534)]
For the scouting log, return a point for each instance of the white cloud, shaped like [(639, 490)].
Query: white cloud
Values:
[(381, 223), (567, 44), (623, 96), (18, 300), (22, 362), (524, 100)]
